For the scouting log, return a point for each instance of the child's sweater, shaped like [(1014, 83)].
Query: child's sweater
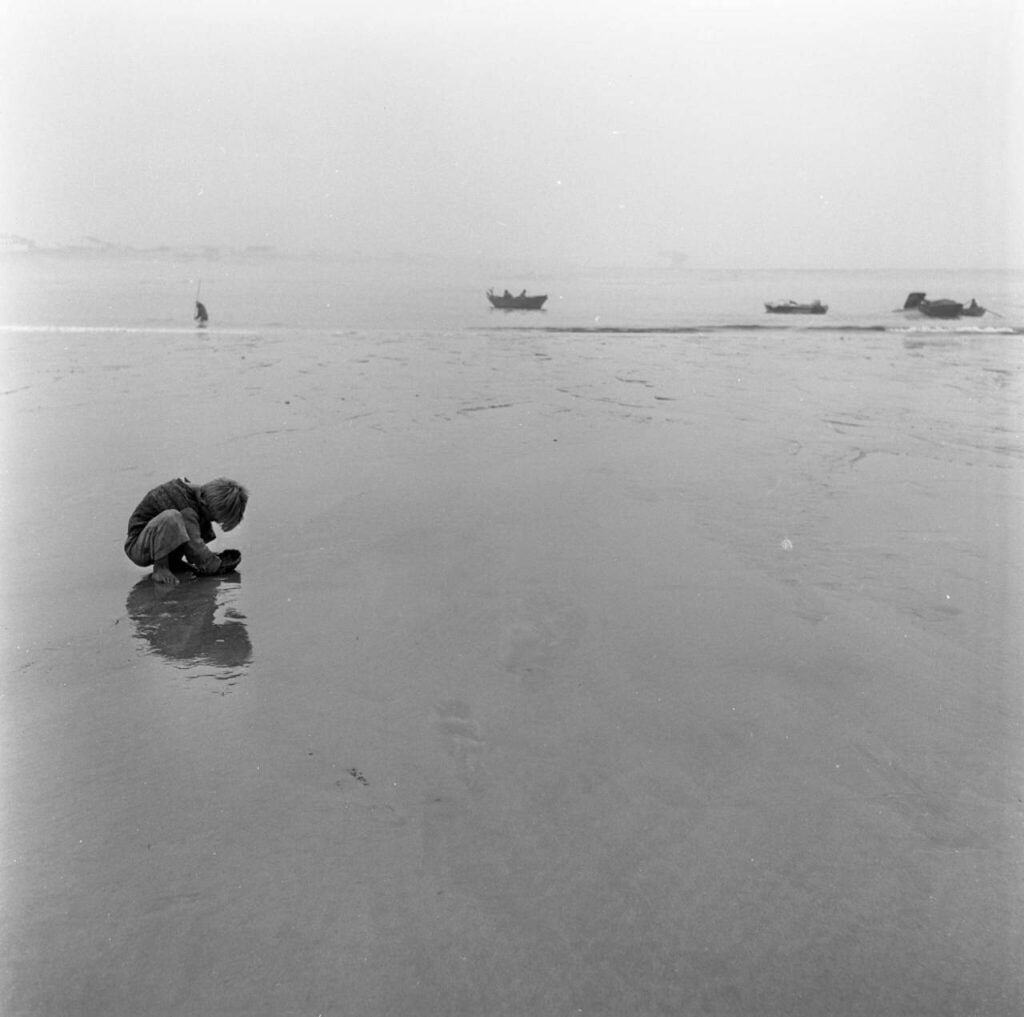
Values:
[(175, 494)]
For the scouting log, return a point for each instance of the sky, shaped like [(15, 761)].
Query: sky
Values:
[(760, 134)]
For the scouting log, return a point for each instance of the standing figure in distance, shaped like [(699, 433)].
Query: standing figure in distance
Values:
[(201, 317), (172, 525)]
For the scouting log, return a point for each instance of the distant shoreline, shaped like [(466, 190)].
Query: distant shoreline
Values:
[(406, 260)]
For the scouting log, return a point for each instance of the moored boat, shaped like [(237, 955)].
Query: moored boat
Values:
[(792, 307), (942, 308), (507, 302)]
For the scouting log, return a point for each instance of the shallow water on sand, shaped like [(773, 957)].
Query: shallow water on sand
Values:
[(264, 295), (564, 672)]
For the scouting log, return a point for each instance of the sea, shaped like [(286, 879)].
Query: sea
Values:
[(80, 293)]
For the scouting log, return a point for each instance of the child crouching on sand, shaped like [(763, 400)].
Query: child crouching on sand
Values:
[(173, 524)]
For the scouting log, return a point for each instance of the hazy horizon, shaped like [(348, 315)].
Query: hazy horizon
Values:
[(729, 135)]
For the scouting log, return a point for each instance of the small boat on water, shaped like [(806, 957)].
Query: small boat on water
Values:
[(792, 307), (507, 302), (942, 308)]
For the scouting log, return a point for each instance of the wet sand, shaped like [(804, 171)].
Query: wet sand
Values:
[(600, 674)]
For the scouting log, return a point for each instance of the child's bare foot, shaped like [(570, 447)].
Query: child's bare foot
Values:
[(162, 574)]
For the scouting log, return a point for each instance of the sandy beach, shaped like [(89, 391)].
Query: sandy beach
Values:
[(564, 673)]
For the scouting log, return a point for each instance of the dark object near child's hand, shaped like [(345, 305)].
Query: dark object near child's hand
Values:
[(229, 560)]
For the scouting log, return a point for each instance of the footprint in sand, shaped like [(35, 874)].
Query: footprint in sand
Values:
[(461, 734), (538, 636)]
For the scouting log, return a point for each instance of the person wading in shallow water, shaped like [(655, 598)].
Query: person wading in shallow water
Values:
[(201, 316), (172, 525)]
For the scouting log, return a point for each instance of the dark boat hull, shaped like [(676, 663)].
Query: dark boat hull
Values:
[(791, 308), (941, 308), (523, 303)]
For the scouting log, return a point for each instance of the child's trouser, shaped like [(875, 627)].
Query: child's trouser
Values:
[(170, 531)]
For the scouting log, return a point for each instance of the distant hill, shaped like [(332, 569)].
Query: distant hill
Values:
[(90, 246)]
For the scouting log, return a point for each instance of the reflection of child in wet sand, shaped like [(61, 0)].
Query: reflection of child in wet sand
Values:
[(173, 524), (192, 624)]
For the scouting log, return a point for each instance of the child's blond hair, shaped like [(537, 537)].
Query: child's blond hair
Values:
[(226, 500)]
